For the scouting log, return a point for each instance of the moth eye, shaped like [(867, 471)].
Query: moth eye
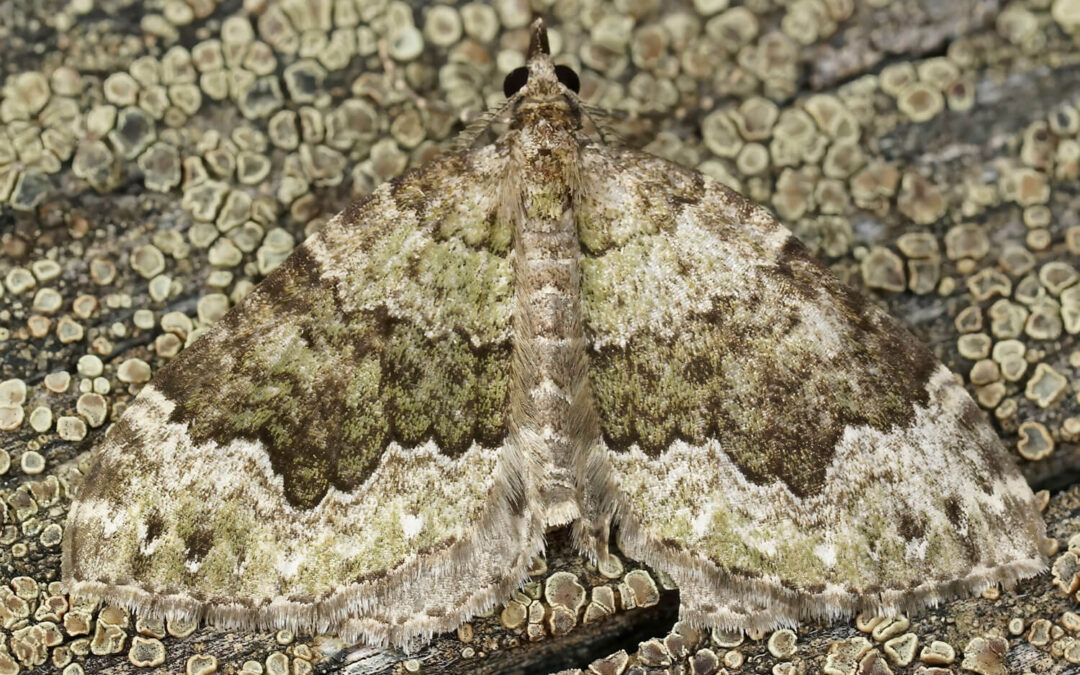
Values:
[(515, 81), (568, 78)]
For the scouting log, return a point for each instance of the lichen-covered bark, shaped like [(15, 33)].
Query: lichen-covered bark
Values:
[(991, 150)]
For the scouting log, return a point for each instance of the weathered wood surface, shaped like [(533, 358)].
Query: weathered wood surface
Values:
[(1020, 75)]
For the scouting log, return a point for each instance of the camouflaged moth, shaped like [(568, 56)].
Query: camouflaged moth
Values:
[(547, 330)]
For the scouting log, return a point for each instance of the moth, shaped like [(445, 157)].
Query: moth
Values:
[(547, 330)]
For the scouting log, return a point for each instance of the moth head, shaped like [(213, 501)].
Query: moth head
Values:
[(539, 78)]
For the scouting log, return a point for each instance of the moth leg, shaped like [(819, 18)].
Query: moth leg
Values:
[(592, 538)]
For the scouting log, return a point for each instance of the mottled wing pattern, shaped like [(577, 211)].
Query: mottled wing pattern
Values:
[(339, 430), (777, 444)]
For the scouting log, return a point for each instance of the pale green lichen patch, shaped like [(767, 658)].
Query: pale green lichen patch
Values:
[(1046, 387)]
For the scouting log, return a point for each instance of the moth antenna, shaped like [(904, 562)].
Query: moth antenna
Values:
[(601, 119), (464, 140)]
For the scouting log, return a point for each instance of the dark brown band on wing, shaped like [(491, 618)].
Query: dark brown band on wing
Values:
[(325, 391), (776, 404)]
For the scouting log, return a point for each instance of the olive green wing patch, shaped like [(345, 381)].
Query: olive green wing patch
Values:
[(772, 433), (326, 383), (338, 430)]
